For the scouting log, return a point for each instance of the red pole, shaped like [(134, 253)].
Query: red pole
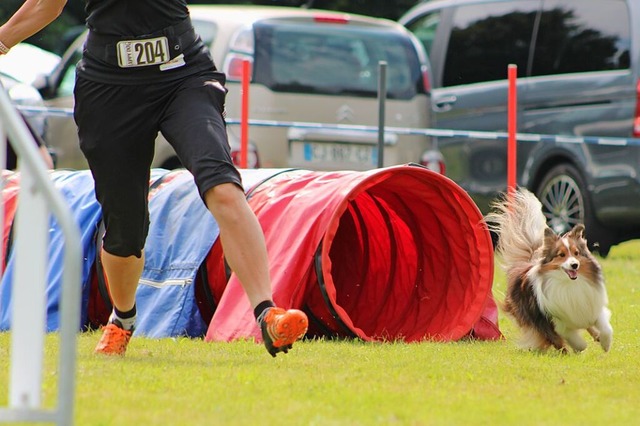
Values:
[(511, 129), (244, 115)]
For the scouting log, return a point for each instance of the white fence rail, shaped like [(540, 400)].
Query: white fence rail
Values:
[(37, 199)]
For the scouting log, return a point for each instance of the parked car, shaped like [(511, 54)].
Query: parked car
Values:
[(57, 90), (18, 70), (25, 97), (26, 62), (22, 94), (578, 67), (306, 66)]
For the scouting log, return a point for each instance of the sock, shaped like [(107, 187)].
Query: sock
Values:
[(262, 306), (126, 320)]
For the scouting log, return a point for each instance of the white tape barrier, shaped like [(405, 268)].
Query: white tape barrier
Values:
[(440, 133)]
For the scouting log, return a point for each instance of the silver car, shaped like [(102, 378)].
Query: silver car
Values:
[(306, 66)]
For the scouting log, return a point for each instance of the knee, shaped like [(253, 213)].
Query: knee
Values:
[(224, 195)]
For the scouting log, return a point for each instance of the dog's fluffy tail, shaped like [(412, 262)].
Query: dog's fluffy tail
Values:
[(518, 222)]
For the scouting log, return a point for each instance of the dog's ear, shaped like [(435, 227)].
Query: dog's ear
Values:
[(550, 239), (577, 231), (549, 235)]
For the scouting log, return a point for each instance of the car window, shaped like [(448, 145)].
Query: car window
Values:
[(335, 60), (486, 38), (68, 77), (424, 28), (207, 30), (581, 36)]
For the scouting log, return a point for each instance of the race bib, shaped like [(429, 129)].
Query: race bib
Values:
[(142, 53)]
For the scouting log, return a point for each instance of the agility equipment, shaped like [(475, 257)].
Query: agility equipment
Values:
[(398, 253)]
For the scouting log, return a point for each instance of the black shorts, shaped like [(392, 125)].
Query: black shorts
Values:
[(117, 127)]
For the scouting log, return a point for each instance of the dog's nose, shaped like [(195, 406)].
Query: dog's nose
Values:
[(574, 265)]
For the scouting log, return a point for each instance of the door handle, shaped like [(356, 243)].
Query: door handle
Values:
[(445, 103)]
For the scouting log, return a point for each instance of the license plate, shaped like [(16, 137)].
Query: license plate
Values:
[(334, 153), (142, 53)]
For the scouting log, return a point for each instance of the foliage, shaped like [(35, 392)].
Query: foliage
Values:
[(378, 8), (183, 381), (50, 37)]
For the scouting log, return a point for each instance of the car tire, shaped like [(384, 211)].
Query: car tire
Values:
[(566, 202)]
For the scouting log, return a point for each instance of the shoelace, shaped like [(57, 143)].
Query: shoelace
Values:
[(117, 336)]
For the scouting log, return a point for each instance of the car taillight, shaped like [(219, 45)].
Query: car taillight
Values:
[(434, 161), (253, 161), (331, 19), (426, 82), (636, 119), (233, 66)]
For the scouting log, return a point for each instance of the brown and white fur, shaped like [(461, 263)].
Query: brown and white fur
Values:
[(555, 287)]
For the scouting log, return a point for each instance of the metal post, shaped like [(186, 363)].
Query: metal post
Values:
[(28, 325), (382, 96)]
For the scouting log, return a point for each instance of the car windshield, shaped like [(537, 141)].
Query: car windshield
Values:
[(334, 59)]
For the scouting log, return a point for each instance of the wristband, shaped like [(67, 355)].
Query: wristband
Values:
[(3, 49)]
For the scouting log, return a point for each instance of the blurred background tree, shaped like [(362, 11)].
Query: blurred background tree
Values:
[(56, 36), (49, 38)]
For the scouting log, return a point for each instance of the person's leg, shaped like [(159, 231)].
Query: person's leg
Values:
[(242, 240), (123, 274), (119, 152), (246, 253), (195, 127)]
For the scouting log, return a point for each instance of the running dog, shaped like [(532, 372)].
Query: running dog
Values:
[(555, 287)]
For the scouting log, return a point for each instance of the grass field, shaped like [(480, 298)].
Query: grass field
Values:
[(189, 382)]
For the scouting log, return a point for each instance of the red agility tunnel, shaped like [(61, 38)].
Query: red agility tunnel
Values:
[(398, 253), (10, 190)]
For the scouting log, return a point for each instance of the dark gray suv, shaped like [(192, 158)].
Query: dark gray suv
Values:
[(578, 79)]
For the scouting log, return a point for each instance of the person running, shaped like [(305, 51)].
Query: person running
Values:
[(144, 70)]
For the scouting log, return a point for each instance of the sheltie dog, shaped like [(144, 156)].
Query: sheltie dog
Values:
[(555, 287)]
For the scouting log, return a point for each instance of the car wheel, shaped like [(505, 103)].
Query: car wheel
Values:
[(566, 202)]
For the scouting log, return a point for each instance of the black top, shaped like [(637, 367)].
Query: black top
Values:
[(114, 21), (134, 17)]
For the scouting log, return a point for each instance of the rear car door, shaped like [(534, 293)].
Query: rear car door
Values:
[(471, 46), (582, 84)]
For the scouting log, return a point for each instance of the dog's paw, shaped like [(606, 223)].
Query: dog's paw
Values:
[(605, 341), (595, 333), (579, 346), (576, 341)]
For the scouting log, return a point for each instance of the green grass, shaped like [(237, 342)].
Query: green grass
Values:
[(189, 382)]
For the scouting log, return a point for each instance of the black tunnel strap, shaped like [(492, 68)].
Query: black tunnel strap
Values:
[(317, 260), (267, 179), (325, 331)]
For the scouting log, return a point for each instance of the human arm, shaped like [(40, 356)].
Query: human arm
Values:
[(32, 16)]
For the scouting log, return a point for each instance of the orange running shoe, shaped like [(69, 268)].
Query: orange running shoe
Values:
[(280, 328), (114, 340)]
